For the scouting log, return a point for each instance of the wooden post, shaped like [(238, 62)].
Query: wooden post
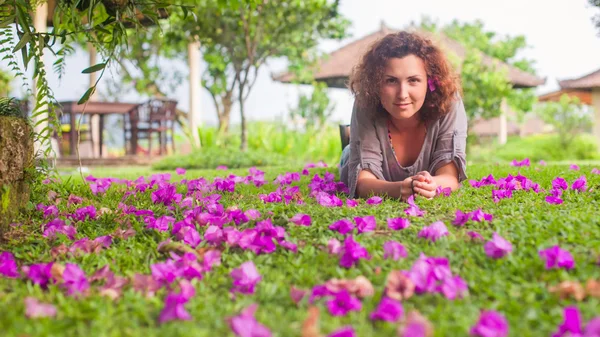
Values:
[(194, 117), (94, 119), (503, 124)]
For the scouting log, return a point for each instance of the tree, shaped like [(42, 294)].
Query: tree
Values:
[(596, 18), (239, 38), (486, 86), (568, 116)]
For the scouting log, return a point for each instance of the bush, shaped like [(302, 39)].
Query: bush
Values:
[(539, 147), (212, 157)]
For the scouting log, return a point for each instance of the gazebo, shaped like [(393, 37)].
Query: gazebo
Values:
[(335, 69), (43, 18), (590, 85)]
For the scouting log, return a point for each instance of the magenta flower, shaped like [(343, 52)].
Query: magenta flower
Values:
[(36, 309), (57, 226), (388, 310), (445, 191), (365, 224), (574, 167), (500, 194), (245, 278), (460, 218), (180, 171), (297, 294), (174, 304), (252, 214), (542, 163), (165, 273), (427, 273), (374, 200), (40, 274), (479, 216), (351, 203), (8, 265), (398, 223), (328, 200), (524, 162), (192, 237), (214, 235), (211, 258), (394, 250), (453, 287), (342, 226), (557, 257), (83, 213), (580, 184), (595, 171), (490, 324), (351, 252), (560, 183), (74, 280), (571, 325), (161, 224), (434, 231), (342, 303), (246, 325), (553, 200), (301, 219), (413, 209), (346, 331), (498, 247), (475, 236)]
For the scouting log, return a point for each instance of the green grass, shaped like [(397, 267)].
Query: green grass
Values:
[(516, 286)]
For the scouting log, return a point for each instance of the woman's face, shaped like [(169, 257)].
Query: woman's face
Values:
[(404, 86)]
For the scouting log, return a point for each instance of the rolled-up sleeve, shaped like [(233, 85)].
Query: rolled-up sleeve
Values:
[(451, 143), (365, 149)]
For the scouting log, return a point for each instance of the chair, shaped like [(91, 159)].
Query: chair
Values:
[(83, 131), (345, 135), (154, 117)]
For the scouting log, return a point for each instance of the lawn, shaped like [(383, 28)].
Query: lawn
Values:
[(515, 285)]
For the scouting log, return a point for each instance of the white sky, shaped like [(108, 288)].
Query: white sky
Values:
[(563, 41)]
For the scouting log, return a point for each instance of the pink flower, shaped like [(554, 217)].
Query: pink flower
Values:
[(334, 246), (365, 224), (222, 167), (498, 247), (75, 280), (375, 200), (342, 303), (351, 203), (460, 218), (180, 171), (542, 163), (398, 223), (475, 236), (560, 183), (40, 274), (8, 265), (245, 278), (346, 331), (574, 167), (351, 252), (36, 309), (571, 325), (174, 303), (490, 324), (388, 310), (394, 250), (479, 216), (557, 257), (434, 231), (524, 162), (553, 200), (595, 171), (301, 219), (580, 184), (342, 226), (297, 294), (246, 325)]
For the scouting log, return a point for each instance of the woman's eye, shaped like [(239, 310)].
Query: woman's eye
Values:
[(413, 80), (390, 80)]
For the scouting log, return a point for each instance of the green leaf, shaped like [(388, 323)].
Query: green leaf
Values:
[(94, 68), (86, 96), (24, 40)]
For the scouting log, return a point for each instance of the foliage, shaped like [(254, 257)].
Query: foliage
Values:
[(568, 116), (314, 109), (516, 286), (485, 84), (101, 23), (268, 144), (546, 147), (596, 3), (5, 80), (10, 107), (238, 39)]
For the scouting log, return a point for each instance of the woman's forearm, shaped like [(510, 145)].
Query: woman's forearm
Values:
[(446, 180), (372, 186)]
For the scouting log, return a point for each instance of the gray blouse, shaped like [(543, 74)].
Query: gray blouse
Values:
[(370, 148)]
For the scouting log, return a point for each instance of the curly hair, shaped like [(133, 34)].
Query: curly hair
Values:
[(367, 77)]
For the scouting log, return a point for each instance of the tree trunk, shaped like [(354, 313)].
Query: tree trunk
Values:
[(224, 116), (244, 143)]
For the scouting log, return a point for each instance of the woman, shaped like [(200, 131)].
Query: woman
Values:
[(409, 127)]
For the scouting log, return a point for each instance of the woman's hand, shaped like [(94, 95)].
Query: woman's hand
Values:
[(425, 185)]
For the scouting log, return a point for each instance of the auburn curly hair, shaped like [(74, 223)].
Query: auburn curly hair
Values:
[(367, 77)]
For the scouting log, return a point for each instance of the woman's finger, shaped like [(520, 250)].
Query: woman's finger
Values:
[(427, 194), (426, 186)]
